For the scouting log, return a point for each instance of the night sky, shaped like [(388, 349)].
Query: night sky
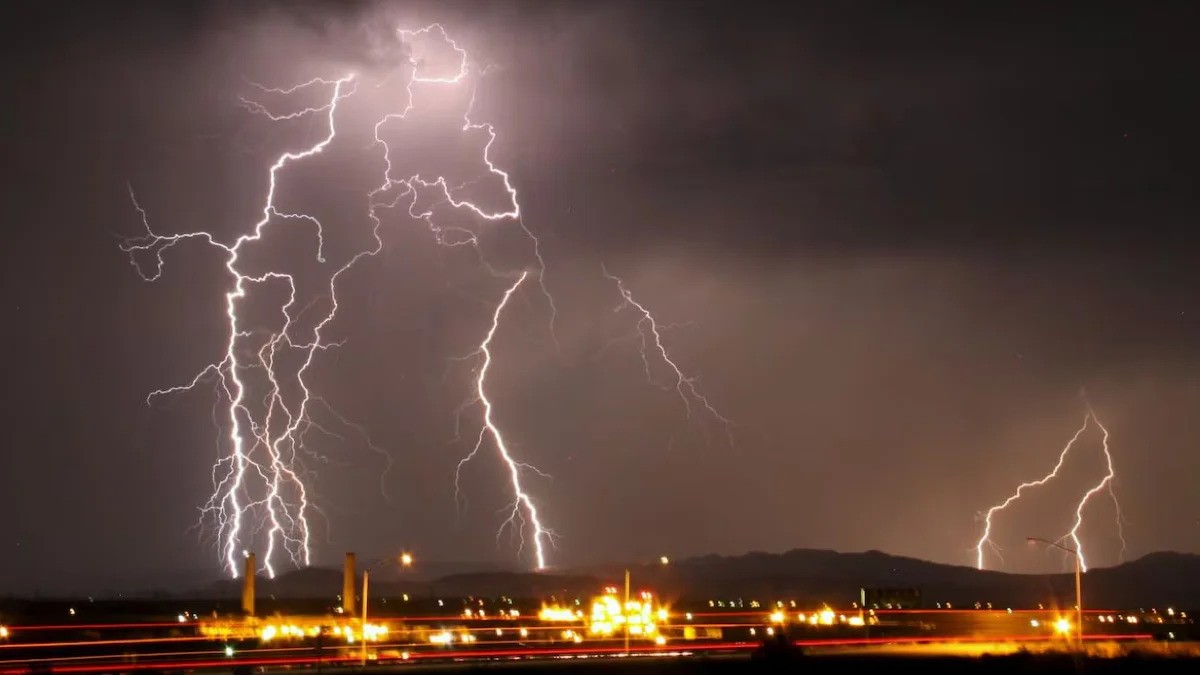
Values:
[(894, 242)]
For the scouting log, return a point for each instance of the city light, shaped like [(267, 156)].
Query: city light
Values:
[(406, 559), (1062, 627), (639, 617), (555, 613)]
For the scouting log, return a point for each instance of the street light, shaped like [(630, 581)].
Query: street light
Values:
[(405, 560), (663, 561), (1078, 581)]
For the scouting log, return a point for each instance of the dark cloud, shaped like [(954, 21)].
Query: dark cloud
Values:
[(897, 241)]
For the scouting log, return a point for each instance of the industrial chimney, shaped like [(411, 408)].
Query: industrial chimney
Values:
[(348, 585), (248, 586)]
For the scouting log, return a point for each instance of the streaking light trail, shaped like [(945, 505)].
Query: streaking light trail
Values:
[(1106, 482), (259, 484), (651, 339)]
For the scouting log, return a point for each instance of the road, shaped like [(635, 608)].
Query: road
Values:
[(417, 642)]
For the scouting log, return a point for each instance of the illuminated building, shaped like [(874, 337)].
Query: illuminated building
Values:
[(609, 617)]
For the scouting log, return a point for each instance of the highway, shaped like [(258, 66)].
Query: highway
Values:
[(328, 643)]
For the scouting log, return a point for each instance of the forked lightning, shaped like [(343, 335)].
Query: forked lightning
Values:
[(1105, 483), (260, 484), (650, 334)]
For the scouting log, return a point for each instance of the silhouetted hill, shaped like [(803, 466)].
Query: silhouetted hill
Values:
[(828, 576), (807, 575)]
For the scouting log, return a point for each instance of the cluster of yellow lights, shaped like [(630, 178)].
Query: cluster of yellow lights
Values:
[(3, 632), (371, 632), (638, 617), (554, 613), (824, 617), (445, 637), (225, 630), (1061, 625), (270, 632), (608, 616)]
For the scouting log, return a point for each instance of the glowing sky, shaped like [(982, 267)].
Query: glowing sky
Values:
[(892, 245)]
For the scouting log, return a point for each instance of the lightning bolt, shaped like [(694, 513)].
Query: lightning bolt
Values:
[(650, 333), (259, 450), (987, 529), (523, 509), (1105, 483), (259, 483)]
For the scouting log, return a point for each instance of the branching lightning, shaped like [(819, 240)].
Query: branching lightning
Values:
[(1105, 483), (650, 332), (259, 450), (987, 529), (523, 509), (259, 482)]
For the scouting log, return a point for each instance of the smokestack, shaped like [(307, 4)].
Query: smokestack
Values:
[(248, 586), (348, 585)]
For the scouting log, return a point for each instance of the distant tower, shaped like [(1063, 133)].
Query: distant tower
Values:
[(348, 585), (248, 586)]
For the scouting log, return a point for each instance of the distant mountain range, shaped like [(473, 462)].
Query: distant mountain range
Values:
[(806, 575)]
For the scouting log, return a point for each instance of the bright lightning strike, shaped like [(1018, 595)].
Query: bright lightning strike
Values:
[(260, 475), (258, 484), (1105, 483), (523, 508), (987, 528), (650, 332)]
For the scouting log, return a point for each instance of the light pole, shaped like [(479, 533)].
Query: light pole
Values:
[(406, 560), (1078, 582), (625, 612), (662, 560)]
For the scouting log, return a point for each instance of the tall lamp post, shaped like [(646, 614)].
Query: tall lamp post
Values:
[(664, 561), (405, 560), (1078, 582)]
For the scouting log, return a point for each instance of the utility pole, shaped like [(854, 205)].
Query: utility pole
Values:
[(625, 612), (1078, 583), (363, 631), (1079, 599)]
